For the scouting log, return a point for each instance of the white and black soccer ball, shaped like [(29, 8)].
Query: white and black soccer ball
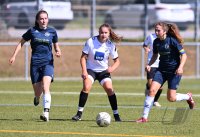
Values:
[(103, 119)]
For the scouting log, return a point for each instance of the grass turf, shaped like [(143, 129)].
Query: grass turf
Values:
[(19, 118)]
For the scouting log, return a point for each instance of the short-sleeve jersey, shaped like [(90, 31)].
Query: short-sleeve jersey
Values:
[(170, 50), (98, 54), (41, 44), (149, 42)]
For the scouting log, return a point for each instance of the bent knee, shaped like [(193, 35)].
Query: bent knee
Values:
[(171, 99), (152, 92)]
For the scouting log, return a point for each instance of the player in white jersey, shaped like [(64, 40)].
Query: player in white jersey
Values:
[(148, 47), (94, 64)]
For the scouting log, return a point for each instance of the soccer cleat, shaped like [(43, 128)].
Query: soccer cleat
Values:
[(156, 104), (190, 101), (45, 116), (77, 117), (36, 101), (117, 118), (142, 120)]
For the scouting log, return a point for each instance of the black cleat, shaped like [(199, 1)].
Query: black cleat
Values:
[(117, 118), (77, 117)]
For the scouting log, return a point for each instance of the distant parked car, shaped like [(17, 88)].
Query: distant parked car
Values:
[(131, 13), (21, 13)]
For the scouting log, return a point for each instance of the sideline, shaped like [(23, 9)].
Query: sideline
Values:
[(76, 133)]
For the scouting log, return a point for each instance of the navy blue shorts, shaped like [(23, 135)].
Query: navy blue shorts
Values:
[(173, 79), (152, 72), (99, 75), (37, 73)]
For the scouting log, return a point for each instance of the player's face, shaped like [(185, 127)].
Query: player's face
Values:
[(104, 34), (160, 32), (43, 20)]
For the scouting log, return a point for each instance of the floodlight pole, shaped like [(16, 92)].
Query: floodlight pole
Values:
[(39, 4), (145, 35), (93, 17), (197, 38)]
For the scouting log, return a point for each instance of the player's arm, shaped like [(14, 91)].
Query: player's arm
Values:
[(183, 57), (83, 65), (57, 49), (17, 49), (153, 59), (114, 66), (146, 48)]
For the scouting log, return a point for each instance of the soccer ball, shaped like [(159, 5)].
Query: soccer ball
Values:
[(103, 119)]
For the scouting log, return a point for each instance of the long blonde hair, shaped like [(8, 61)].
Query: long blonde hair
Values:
[(172, 30), (113, 36)]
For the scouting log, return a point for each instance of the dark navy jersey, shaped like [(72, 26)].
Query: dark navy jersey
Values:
[(41, 44), (170, 50)]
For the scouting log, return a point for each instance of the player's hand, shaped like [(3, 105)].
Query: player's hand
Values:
[(147, 50), (58, 54), (84, 75), (179, 71), (110, 69), (147, 68), (12, 60)]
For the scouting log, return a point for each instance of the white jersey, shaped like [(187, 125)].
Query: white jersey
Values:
[(149, 42), (98, 54)]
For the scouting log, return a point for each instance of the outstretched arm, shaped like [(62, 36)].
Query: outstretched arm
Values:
[(17, 49)]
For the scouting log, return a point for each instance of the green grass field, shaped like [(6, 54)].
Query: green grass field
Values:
[(20, 118)]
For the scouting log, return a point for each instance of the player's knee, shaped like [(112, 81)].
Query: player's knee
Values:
[(152, 92), (171, 99)]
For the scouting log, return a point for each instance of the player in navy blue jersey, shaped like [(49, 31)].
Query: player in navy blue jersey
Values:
[(41, 39), (169, 45), (94, 64)]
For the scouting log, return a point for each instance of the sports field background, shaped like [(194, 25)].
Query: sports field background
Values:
[(20, 118)]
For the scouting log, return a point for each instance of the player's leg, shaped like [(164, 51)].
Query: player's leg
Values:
[(46, 98), (150, 76), (38, 90), (47, 77), (172, 96), (37, 84), (87, 85), (148, 103), (106, 82)]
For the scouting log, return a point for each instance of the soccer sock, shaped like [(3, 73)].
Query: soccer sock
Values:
[(46, 101), (147, 106), (180, 97), (157, 95), (82, 100), (113, 103)]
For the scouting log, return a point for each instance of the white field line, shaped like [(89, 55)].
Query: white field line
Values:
[(77, 93), (92, 106)]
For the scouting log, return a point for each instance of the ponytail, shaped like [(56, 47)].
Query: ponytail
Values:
[(113, 36), (172, 30)]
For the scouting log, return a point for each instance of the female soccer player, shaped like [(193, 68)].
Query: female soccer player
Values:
[(148, 47), (94, 64), (41, 68), (172, 59)]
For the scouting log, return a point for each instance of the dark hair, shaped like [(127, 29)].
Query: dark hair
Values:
[(38, 15), (172, 30), (113, 36)]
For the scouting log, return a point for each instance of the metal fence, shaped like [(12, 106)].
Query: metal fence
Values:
[(132, 22), (131, 57)]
